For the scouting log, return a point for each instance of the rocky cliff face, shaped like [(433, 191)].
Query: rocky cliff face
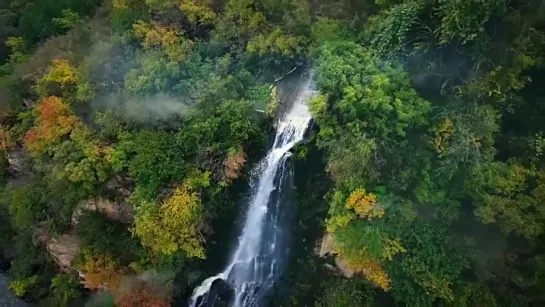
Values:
[(287, 90)]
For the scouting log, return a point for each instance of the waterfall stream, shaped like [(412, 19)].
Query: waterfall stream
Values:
[(255, 263)]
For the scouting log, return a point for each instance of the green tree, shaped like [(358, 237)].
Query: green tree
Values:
[(511, 196), (366, 99), (66, 288), (346, 293), (430, 268), (68, 20), (116, 239), (151, 158), (156, 73), (27, 206)]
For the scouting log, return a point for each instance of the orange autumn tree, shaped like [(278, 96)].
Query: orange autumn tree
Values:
[(144, 295), (101, 272), (54, 120)]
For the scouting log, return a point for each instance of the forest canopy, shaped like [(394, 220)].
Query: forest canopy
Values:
[(129, 128)]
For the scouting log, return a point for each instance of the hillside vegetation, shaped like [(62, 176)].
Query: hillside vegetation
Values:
[(426, 164)]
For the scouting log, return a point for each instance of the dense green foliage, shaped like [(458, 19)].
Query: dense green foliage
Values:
[(425, 167), (424, 109)]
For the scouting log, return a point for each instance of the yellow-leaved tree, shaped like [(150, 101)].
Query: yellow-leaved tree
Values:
[(363, 248), (198, 11), (167, 38), (368, 260), (60, 74), (178, 223), (364, 204), (101, 271), (440, 136), (6, 141)]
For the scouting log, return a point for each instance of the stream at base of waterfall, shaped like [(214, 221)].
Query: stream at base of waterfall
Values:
[(262, 246)]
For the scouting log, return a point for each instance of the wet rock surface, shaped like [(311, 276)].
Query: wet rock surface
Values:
[(288, 89), (220, 295), (7, 298)]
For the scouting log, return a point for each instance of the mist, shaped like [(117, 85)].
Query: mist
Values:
[(159, 107)]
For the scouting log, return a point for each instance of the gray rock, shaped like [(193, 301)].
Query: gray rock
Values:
[(326, 247), (63, 250), (17, 162), (115, 211)]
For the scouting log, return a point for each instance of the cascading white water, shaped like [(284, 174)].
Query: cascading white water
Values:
[(254, 265)]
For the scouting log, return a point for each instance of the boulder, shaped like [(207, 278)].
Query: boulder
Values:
[(343, 267), (115, 211), (63, 250), (326, 247), (17, 162), (121, 186)]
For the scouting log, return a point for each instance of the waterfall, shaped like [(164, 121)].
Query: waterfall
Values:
[(255, 263)]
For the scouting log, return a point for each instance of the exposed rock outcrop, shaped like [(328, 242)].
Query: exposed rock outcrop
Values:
[(326, 245), (63, 250), (17, 162), (121, 186), (115, 211), (325, 248), (18, 167), (113, 205), (343, 267)]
